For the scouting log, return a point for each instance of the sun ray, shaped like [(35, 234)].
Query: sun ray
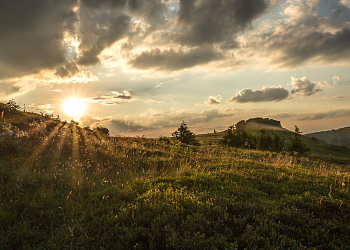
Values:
[(59, 146), (75, 145), (36, 154), (90, 151)]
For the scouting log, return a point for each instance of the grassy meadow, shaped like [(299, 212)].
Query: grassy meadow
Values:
[(65, 187)]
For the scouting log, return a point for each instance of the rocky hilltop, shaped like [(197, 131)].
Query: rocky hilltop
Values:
[(256, 124)]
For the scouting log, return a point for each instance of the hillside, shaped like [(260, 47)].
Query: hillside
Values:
[(319, 149), (339, 137), (67, 187)]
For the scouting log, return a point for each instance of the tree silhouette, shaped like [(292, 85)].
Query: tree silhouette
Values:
[(184, 135), (297, 145)]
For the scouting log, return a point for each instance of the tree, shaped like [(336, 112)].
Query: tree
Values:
[(239, 139), (278, 143), (297, 144), (184, 135), (264, 140)]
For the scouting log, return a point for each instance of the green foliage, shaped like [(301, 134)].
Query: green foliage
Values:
[(244, 139), (184, 135), (297, 145)]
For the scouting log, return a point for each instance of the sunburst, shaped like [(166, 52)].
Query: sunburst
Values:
[(74, 107)]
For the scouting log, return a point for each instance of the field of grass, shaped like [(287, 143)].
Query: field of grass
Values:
[(65, 187)]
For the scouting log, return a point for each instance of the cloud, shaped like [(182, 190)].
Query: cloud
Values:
[(159, 85), (267, 94), (303, 87), (113, 99), (116, 126), (327, 114), (208, 115), (209, 22), (173, 60), (304, 37), (8, 88), (123, 126), (346, 3), (32, 35), (314, 116), (117, 30), (284, 115), (214, 100), (68, 70)]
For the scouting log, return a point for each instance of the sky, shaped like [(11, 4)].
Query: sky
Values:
[(141, 67)]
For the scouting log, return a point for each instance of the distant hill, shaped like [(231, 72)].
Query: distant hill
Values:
[(339, 137), (319, 148)]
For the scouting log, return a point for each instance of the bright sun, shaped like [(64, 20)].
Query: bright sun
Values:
[(74, 106)]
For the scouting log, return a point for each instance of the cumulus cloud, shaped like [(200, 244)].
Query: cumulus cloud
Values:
[(114, 98), (303, 87), (267, 94), (214, 100), (172, 60), (32, 34)]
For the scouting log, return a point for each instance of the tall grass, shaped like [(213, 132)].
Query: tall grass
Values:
[(69, 187)]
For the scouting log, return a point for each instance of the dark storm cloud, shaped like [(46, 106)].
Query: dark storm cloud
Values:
[(303, 87), (209, 22), (267, 94), (31, 35), (172, 60), (117, 30)]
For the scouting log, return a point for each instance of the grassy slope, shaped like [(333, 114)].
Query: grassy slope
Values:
[(318, 149), (340, 137), (71, 188)]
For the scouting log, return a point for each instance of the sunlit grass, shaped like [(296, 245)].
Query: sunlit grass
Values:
[(83, 189)]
